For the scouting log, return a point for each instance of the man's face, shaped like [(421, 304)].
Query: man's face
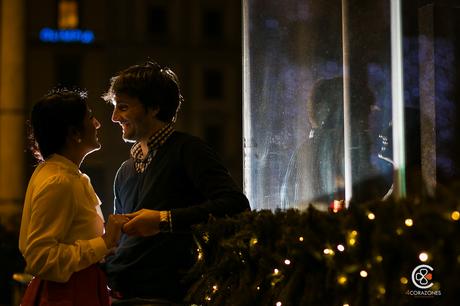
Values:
[(137, 122)]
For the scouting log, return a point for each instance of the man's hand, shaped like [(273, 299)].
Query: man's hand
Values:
[(144, 222)]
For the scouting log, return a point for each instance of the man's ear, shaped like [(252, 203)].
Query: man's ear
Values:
[(74, 135), (154, 111)]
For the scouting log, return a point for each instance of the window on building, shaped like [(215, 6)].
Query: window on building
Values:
[(213, 27), (158, 21), (68, 14), (68, 71), (213, 82)]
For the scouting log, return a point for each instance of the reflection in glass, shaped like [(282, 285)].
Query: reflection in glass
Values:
[(293, 125)]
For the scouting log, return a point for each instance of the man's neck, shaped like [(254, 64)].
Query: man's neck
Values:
[(144, 142)]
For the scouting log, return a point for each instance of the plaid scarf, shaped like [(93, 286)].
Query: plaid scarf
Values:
[(155, 141)]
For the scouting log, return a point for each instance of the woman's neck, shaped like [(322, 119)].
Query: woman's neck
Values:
[(73, 156)]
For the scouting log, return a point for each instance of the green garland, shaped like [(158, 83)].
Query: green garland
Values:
[(361, 256)]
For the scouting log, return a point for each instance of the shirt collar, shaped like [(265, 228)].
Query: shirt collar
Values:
[(154, 142)]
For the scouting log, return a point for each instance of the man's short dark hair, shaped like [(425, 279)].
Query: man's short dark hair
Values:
[(154, 86)]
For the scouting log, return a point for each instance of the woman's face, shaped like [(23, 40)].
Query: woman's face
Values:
[(89, 139)]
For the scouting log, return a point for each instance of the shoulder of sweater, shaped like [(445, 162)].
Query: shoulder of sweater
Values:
[(178, 136), (181, 139)]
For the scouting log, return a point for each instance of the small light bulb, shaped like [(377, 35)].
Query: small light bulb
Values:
[(342, 279), (276, 271), (423, 256), (301, 238), (403, 280), (287, 262), (409, 222), (455, 215), (341, 248), (279, 303), (328, 252), (363, 273), (370, 216)]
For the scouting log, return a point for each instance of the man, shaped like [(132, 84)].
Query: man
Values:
[(171, 182)]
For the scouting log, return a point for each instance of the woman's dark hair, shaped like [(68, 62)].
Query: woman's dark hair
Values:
[(51, 119), (154, 86)]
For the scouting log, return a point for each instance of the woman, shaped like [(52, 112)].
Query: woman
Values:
[(62, 230)]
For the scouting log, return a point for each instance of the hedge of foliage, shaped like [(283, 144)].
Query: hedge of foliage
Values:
[(361, 256)]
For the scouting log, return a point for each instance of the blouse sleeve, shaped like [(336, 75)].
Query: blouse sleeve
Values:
[(52, 213)]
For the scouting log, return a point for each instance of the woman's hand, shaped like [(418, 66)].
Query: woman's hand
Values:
[(113, 229)]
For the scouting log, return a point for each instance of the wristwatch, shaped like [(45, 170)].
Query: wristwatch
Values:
[(165, 221)]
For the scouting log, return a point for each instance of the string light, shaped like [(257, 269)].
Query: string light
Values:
[(328, 252), (300, 238), (340, 248), (455, 215), (214, 288), (346, 304), (363, 273), (279, 303), (371, 216), (399, 231), (378, 258), (200, 253), (403, 280), (254, 241), (409, 222), (287, 262), (352, 238), (423, 256), (342, 279), (276, 272)]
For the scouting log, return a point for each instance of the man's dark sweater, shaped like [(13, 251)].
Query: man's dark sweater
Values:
[(187, 178)]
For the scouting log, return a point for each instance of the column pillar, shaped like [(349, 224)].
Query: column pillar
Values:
[(12, 108)]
